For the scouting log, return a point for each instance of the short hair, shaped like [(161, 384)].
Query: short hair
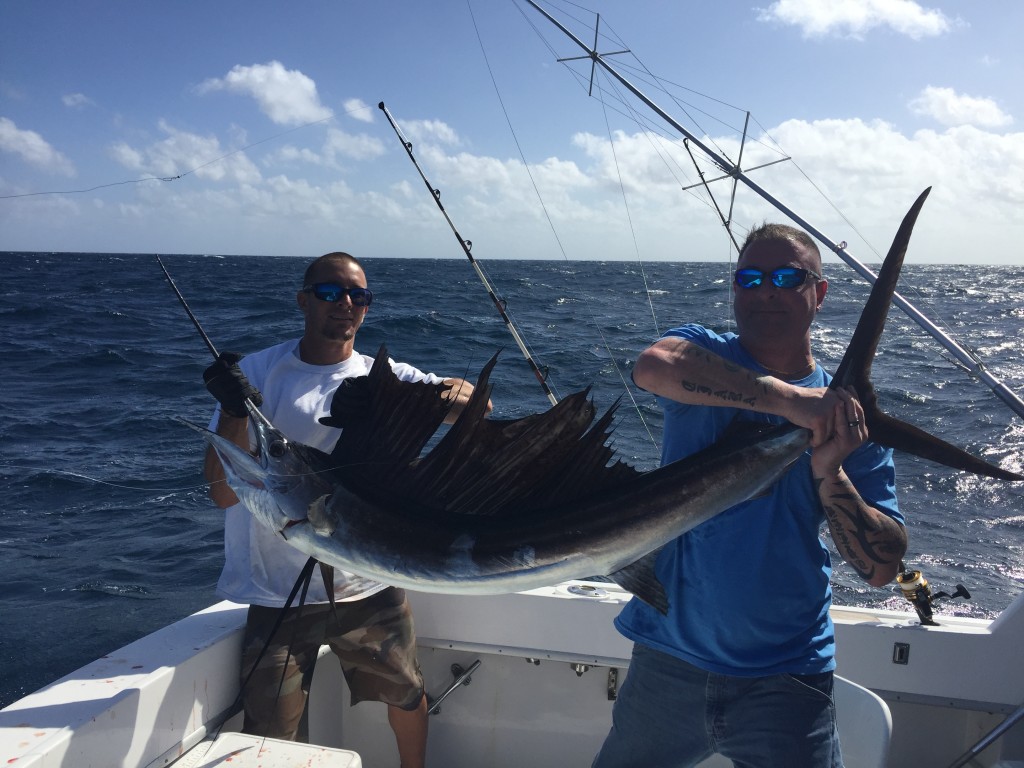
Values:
[(331, 258), (770, 232)]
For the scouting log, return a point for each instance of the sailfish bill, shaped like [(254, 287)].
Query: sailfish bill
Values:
[(503, 506)]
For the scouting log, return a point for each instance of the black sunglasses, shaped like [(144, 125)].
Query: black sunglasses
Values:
[(361, 297), (784, 277)]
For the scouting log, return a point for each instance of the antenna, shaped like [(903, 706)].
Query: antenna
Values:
[(966, 358)]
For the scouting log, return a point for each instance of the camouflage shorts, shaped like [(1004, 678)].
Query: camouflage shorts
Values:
[(373, 638)]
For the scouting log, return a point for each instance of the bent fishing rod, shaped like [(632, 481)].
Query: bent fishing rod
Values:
[(466, 246), (966, 358)]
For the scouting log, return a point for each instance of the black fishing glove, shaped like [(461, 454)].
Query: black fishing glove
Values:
[(351, 402), (228, 384)]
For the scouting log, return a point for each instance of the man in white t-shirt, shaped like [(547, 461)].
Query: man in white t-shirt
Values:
[(371, 632)]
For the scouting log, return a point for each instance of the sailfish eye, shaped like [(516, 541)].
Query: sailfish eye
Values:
[(277, 448)]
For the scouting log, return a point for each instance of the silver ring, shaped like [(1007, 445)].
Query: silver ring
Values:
[(854, 423)]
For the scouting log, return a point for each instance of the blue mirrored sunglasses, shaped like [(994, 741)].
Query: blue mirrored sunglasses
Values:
[(784, 277), (361, 297)]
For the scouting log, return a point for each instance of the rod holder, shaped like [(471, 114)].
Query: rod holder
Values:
[(462, 677)]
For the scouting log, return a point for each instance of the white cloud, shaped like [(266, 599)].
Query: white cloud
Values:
[(869, 170), (359, 110), (636, 163), (33, 149), (76, 100), (337, 146), (292, 155), (951, 108), (9, 91), (431, 130), (284, 199), (354, 146), (855, 18), (128, 156), (182, 152), (871, 173), (286, 96)]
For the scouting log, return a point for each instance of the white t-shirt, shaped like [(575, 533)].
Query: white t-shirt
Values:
[(260, 567)]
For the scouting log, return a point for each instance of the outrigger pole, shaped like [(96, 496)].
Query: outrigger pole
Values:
[(966, 358), (466, 245)]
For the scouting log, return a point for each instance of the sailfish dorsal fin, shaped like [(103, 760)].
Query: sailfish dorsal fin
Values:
[(482, 465)]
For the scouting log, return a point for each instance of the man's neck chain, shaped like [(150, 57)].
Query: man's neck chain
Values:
[(800, 373)]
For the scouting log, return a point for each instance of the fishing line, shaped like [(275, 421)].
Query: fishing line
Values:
[(646, 130), (629, 215), (180, 175), (644, 74), (906, 288), (729, 169), (125, 486), (154, 489), (97, 481), (467, 246), (650, 130), (938, 319), (643, 274), (668, 160), (593, 319), (161, 489)]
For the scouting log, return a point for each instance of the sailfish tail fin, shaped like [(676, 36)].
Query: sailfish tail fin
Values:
[(855, 369)]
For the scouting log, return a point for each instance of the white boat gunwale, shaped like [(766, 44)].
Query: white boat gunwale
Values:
[(152, 700)]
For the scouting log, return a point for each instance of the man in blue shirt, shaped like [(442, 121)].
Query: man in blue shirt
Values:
[(742, 663)]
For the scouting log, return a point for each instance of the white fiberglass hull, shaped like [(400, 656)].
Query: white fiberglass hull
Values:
[(549, 661)]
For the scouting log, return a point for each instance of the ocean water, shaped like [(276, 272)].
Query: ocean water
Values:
[(106, 532)]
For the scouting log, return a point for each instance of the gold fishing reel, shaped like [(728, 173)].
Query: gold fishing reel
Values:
[(916, 590)]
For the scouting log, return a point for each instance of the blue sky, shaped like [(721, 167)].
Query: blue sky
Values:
[(268, 113)]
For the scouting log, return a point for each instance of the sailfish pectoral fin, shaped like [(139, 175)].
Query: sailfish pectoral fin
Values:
[(855, 369), (638, 577)]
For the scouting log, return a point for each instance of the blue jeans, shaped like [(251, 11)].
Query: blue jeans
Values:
[(670, 713)]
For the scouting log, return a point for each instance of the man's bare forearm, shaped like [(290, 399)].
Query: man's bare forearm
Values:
[(870, 541)]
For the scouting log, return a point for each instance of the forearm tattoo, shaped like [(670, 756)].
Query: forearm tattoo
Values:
[(723, 394), (859, 539)]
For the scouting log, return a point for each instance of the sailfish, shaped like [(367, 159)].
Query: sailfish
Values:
[(507, 505)]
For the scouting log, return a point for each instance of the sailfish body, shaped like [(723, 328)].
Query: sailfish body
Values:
[(502, 506)]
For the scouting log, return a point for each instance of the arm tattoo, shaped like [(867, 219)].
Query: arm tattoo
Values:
[(852, 531), (725, 395), (718, 394)]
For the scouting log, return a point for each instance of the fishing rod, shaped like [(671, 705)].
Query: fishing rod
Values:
[(466, 245), (188, 311), (966, 358), (209, 344)]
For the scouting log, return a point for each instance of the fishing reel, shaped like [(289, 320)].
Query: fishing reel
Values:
[(916, 590)]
